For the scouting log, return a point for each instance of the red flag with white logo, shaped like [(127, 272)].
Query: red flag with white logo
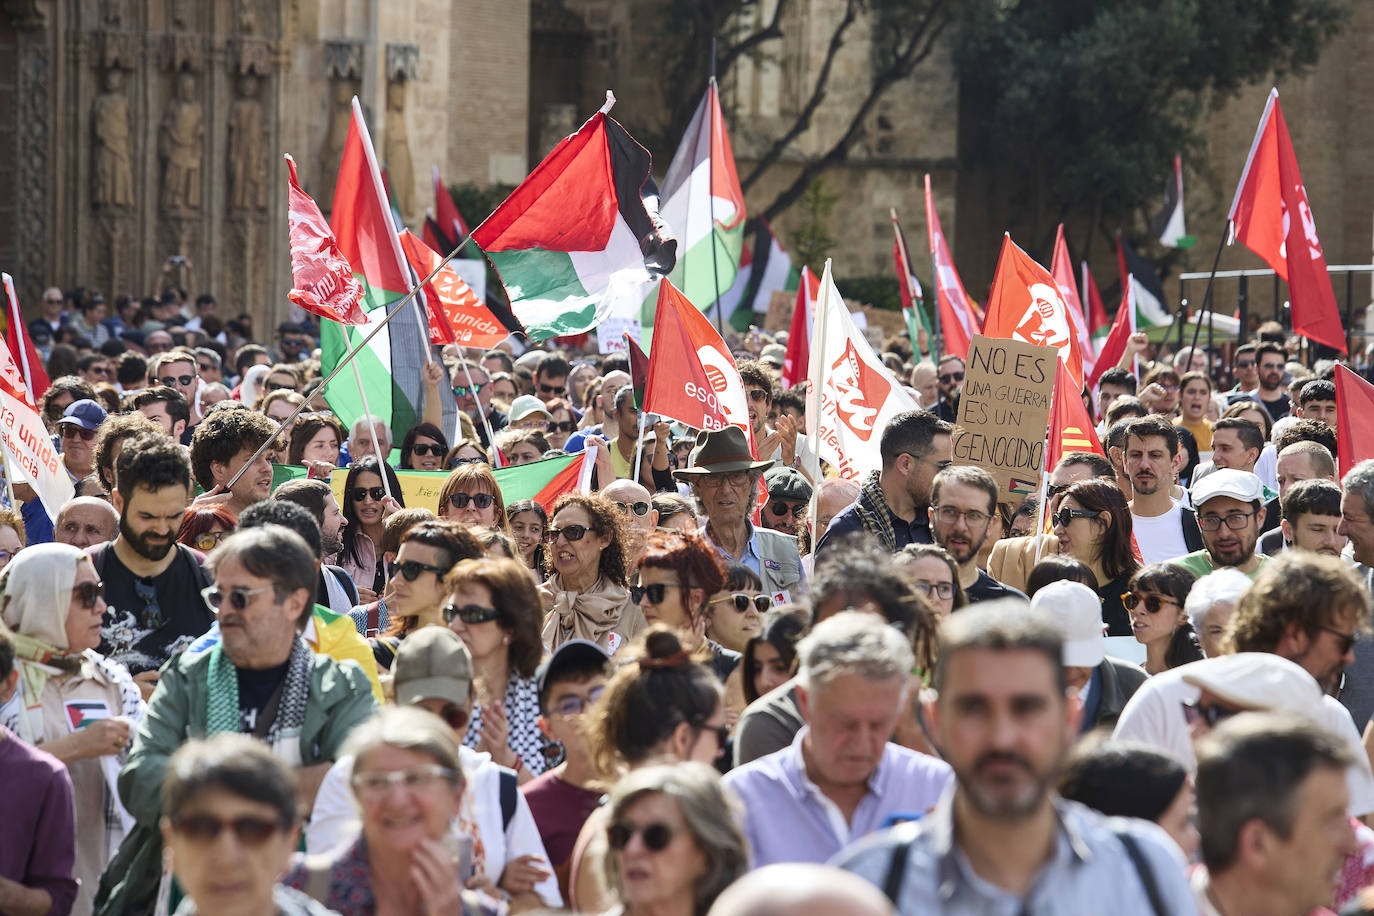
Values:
[(692, 376), (798, 358), (1027, 304), (322, 280), (29, 454), (1062, 270), (1114, 347), (1271, 216), (19, 342), (456, 315), (851, 396), (958, 315)]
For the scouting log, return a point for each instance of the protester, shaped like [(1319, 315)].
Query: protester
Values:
[(416, 593), (963, 506), (934, 573), (674, 841), (165, 406), (995, 664), (85, 520), (1163, 529), (1270, 393), (770, 659), (203, 529), (1299, 462), (851, 686), (678, 575), (1211, 602), (528, 520), (640, 518), (372, 619), (12, 538), (833, 496), (734, 615), (422, 449), (315, 440), (336, 589), (1311, 511), (788, 495), (1093, 525), (50, 598), (1122, 779), (366, 508), (221, 447), (586, 595), (802, 890), (1230, 512), (369, 435), (470, 495), (1155, 601)]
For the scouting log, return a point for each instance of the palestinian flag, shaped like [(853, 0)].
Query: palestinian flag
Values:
[(639, 369), (575, 241), (704, 207), (1167, 224), (1152, 309), (390, 364), (764, 268), (1098, 325), (913, 296)]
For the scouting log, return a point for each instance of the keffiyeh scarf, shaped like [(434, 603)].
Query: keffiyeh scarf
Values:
[(222, 696), (871, 507)]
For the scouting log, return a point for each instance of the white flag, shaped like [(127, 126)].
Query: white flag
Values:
[(29, 453), (850, 394)]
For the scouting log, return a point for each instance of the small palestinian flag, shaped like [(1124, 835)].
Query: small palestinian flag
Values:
[(1167, 224), (639, 369), (1151, 308)]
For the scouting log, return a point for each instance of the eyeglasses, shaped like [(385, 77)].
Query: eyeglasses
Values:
[(758, 394), (1152, 603), (571, 706), (570, 532), (99, 370), (732, 478), (1065, 516), (1209, 713), (656, 592), (205, 367), (209, 540), (52, 301), (182, 380), (742, 601), (360, 494), (552, 389), (471, 614), (238, 597), (422, 450), (638, 507), (1235, 521), (411, 569), (1347, 639), (88, 593), (1245, 364), (206, 828), (72, 431), (480, 500), (378, 783), (922, 459), (952, 377), (944, 590), (657, 835), (462, 391), (781, 508), (562, 426), (949, 515)]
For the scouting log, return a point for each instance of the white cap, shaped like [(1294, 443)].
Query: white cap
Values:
[(1076, 612), (1241, 485), (1258, 681)]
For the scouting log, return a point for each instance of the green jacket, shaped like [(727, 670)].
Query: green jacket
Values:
[(340, 698)]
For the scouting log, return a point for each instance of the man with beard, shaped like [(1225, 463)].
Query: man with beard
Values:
[(1003, 841), (222, 444), (1164, 530), (963, 504), (152, 583), (336, 590), (1271, 393), (789, 493), (1230, 512)]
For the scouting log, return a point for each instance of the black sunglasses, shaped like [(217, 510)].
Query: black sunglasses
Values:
[(205, 828), (571, 532), (1210, 713), (657, 835), (1152, 603), (480, 500), (421, 449), (781, 508), (411, 569), (562, 426), (952, 377), (88, 593), (1065, 516), (639, 508), (1347, 639), (362, 493), (470, 614), (552, 389), (171, 380), (656, 592)]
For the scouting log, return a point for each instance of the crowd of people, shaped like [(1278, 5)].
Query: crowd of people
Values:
[(712, 682)]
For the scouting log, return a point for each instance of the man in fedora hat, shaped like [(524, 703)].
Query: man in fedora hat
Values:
[(724, 478)]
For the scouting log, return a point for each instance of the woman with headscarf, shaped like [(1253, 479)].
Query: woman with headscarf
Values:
[(72, 702), (252, 387)]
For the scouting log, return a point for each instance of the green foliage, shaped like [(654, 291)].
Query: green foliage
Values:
[(812, 240), (477, 203), (880, 292), (1081, 105)]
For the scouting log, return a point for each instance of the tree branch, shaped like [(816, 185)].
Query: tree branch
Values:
[(773, 30), (803, 120)]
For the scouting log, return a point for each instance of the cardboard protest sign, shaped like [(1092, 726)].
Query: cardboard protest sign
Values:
[(1004, 411)]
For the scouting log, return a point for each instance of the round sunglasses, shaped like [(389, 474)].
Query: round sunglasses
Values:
[(657, 835)]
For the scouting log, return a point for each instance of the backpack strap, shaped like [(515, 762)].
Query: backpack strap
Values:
[(896, 868), (1142, 867), (318, 877), (510, 790)]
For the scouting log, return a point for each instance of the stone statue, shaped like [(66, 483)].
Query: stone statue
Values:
[(340, 115), (181, 141), (247, 149), (399, 169), (114, 180)]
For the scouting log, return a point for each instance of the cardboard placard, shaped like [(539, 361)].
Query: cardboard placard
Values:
[(1004, 411)]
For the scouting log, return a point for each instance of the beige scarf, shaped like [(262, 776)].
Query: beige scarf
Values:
[(586, 615)]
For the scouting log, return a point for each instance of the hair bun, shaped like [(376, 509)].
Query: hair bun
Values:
[(662, 649)]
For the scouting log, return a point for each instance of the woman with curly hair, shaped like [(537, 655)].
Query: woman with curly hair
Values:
[(1093, 525), (1155, 602), (587, 595)]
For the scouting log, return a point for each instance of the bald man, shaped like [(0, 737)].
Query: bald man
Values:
[(925, 382), (84, 521), (796, 889), (631, 497)]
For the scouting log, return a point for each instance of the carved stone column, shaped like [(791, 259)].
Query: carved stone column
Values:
[(343, 62), (402, 66)]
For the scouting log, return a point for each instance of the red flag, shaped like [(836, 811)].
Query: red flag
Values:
[(456, 315), (1354, 398), (958, 323), (1269, 206), (1071, 427), (1114, 347), (17, 340), (1098, 325), (798, 356), (692, 377), (1062, 270), (1027, 304), (446, 211), (639, 368), (322, 280)]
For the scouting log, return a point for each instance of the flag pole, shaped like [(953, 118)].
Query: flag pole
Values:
[(394, 309), (714, 98), (19, 337), (8, 462), (367, 413), (639, 447), (486, 422), (1207, 294)]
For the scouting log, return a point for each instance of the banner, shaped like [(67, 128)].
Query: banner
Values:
[(30, 456), (1004, 411), (322, 280)]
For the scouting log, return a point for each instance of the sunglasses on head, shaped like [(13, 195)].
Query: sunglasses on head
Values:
[(1152, 603), (206, 828), (173, 380), (742, 601), (72, 431), (471, 614), (422, 449), (360, 494), (411, 569), (462, 391), (569, 532), (480, 500), (1065, 516), (552, 389), (656, 592), (238, 597), (88, 593), (657, 835), (952, 377), (638, 507)]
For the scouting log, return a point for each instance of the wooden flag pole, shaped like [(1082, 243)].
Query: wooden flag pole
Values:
[(486, 423), (367, 415)]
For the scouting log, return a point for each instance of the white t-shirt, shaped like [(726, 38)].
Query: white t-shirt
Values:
[(1160, 537), (1154, 715)]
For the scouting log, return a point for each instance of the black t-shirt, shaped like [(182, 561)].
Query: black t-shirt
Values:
[(1279, 408), (988, 589), (149, 620), (257, 691)]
